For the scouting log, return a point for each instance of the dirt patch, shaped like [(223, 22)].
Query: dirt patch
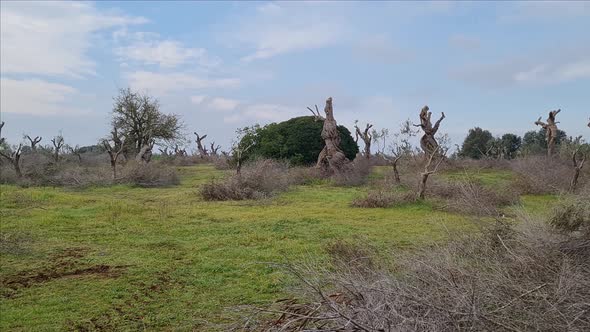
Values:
[(64, 264)]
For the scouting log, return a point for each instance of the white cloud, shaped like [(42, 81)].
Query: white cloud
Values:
[(36, 97), (163, 83), (223, 104), (525, 72), (279, 28), (263, 113), (52, 38), (148, 49), (197, 100)]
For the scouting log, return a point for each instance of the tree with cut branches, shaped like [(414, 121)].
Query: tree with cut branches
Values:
[(58, 143), (76, 151), (428, 142), (12, 155), (114, 146), (551, 131), (365, 135), (429, 169), (331, 158), (34, 141), (214, 149), (202, 150)]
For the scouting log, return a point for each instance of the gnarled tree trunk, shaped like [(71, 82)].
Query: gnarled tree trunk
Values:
[(202, 150), (331, 158), (366, 137), (427, 142), (551, 131), (577, 168)]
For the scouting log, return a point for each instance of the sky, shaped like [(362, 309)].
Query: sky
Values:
[(225, 65)]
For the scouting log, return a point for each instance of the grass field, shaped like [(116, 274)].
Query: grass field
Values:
[(162, 258)]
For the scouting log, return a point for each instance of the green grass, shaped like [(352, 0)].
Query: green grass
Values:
[(173, 259)]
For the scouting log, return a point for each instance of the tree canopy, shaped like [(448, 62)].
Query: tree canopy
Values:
[(138, 118), (297, 140)]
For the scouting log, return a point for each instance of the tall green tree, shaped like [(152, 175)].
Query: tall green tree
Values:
[(477, 143), (535, 142)]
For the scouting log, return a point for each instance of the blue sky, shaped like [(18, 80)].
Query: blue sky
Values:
[(224, 65)]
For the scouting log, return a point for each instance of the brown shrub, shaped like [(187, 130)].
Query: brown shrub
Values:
[(469, 197), (259, 179), (355, 174), (384, 198), (542, 175), (148, 175), (519, 279)]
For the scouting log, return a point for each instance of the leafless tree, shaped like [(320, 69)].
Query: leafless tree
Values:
[(331, 157), (578, 164), (34, 141), (428, 142), (58, 143), (164, 151), (114, 146), (76, 151), (400, 147), (214, 149), (316, 113), (13, 156), (551, 131), (429, 170), (202, 150), (365, 136), (179, 152)]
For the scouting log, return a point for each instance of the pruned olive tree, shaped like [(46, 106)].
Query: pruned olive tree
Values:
[(551, 131), (12, 155), (114, 145), (34, 141), (138, 118), (428, 141), (202, 150), (58, 143), (365, 135), (331, 158)]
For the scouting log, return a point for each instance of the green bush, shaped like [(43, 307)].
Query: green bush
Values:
[(297, 140)]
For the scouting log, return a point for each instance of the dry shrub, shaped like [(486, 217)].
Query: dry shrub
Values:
[(383, 198), (259, 179), (148, 175), (470, 197), (355, 174), (542, 175), (572, 213), (466, 195), (516, 279), (221, 162)]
